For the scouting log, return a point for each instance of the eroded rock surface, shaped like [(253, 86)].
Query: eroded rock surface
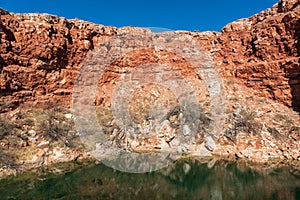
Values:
[(262, 51), (40, 54)]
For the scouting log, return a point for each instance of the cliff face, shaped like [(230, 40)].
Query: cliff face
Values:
[(40, 54), (263, 52)]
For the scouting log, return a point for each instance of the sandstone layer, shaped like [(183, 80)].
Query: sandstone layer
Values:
[(40, 54)]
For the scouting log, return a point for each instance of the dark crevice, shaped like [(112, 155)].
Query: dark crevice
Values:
[(297, 37), (295, 76), (2, 64), (70, 40), (295, 91), (9, 34), (253, 48)]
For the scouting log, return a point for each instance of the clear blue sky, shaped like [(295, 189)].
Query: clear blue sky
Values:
[(177, 15)]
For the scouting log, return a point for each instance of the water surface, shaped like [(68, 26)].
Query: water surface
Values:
[(186, 179)]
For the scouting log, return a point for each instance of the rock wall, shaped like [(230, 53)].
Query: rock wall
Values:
[(263, 51), (40, 54)]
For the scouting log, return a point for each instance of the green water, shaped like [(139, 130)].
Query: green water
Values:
[(185, 179)]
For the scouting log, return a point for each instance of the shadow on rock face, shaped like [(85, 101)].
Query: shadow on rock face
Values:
[(2, 63), (295, 77), (295, 90)]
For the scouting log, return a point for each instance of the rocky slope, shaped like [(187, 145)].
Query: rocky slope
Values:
[(41, 54)]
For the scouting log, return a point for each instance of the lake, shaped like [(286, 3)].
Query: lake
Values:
[(189, 178)]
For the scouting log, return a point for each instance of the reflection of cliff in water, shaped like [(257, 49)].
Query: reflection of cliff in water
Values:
[(189, 179)]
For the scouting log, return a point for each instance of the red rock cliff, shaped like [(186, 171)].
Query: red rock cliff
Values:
[(263, 52), (40, 54)]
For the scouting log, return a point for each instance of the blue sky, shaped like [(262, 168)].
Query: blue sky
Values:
[(176, 15)]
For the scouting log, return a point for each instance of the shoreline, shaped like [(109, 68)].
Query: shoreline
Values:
[(81, 159)]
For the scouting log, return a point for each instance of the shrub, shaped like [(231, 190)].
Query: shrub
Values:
[(244, 121), (6, 127), (55, 126)]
